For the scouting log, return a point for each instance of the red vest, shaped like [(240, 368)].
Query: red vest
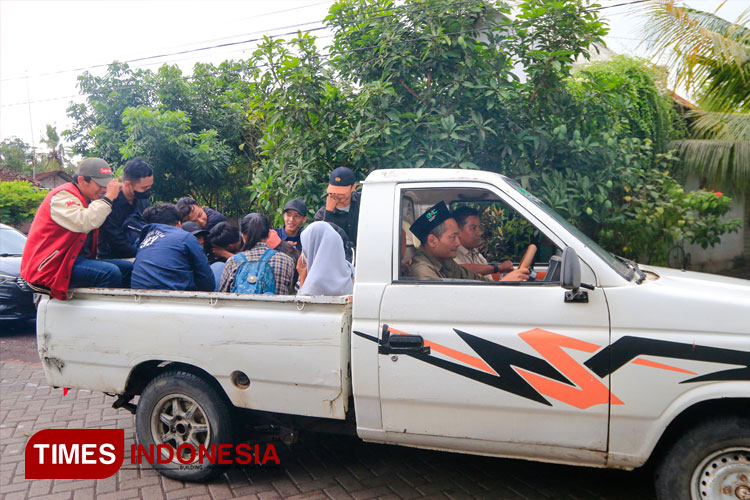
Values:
[(51, 249)]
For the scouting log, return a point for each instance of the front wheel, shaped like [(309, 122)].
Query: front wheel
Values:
[(711, 461), (179, 414)]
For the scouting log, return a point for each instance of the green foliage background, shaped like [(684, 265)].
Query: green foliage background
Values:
[(19, 201), (423, 83)]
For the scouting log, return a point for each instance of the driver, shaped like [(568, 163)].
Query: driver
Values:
[(438, 232), (470, 235)]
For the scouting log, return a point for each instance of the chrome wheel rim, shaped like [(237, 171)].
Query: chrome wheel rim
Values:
[(178, 419), (725, 474)]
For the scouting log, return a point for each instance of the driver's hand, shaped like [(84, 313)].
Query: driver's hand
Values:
[(517, 275)]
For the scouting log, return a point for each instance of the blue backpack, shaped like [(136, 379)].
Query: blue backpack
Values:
[(254, 276)]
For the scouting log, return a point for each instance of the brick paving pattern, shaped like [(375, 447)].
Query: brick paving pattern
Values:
[(318, 467)]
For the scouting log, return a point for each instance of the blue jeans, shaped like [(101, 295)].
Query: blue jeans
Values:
[(218, 269), (104, 273)]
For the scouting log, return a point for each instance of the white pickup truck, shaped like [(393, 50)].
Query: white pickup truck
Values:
[(597, 362)]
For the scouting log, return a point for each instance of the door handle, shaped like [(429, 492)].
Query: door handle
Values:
[(401, 344)]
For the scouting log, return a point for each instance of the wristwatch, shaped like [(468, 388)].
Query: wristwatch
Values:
[(495, 269)]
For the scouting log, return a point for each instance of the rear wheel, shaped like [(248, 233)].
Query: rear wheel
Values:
[(708, 462), (179, 408)]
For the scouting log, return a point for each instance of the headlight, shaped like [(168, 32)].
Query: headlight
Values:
[(17, 280), (6, 277)]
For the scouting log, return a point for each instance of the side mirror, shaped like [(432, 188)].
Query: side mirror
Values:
[(570, 277), (570, 271)]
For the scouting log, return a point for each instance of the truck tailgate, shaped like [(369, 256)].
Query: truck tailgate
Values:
[(294, 350)]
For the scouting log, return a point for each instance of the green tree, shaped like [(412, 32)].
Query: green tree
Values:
[(19, 201), (98, 129), (16, 155), (431, 84), (423, 83), (631, 95), (711, 57), (193, 130), (55, 158), (196, 135)]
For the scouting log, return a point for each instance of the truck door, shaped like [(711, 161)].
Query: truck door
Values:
[(505, 360)]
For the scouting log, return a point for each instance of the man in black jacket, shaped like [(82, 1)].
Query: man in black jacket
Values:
[(342, 203), (118, 234), (205, 217)]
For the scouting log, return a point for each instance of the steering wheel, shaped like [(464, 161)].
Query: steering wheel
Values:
[(528, 258)]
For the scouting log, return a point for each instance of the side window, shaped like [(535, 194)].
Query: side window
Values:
[(489, 232), (507, 235)]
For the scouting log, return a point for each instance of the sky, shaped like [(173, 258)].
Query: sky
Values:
[(44, 45)]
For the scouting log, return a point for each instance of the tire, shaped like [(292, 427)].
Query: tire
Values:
[(197, 413), (710, 461)]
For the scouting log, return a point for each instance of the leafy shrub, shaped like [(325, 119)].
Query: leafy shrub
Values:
[(19, 201), (661, 215)]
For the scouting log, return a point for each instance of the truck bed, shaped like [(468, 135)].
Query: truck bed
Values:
[(294, 349)]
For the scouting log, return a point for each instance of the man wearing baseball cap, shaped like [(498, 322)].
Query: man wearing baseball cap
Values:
[(60, 252), (295, 215), (342, 202)]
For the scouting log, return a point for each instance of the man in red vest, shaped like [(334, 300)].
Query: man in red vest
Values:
[(60, 252)]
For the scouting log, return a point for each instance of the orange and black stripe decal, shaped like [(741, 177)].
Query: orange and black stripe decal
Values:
[(558, 376)]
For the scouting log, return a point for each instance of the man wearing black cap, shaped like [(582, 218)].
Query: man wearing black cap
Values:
[(60, 251), (295, 215), (202, 236), (438, 232), (342, 203)]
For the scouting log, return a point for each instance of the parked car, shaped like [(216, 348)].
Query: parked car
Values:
[(16, 298)]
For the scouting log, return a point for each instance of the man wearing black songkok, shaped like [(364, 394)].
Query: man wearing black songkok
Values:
[(437, 230)]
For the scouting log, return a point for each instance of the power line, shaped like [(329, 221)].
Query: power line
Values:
[(183, 45), (241, 42), (289, 10), (358, 49), (399, 9), (200, 49), (211, 40)]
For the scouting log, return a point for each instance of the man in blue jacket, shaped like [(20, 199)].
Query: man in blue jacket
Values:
[(169, 258)]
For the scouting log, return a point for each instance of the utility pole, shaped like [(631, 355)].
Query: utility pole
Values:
[(33, 142)]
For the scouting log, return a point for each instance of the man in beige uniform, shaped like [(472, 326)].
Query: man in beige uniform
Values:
[(470, 236), (438, 232)]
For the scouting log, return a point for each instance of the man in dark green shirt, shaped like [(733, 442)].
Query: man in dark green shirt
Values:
[(437, 230)]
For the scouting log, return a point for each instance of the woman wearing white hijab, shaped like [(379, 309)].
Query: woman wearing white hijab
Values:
[(328, 272)]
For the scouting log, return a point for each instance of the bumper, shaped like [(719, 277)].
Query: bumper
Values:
[(16, 303)]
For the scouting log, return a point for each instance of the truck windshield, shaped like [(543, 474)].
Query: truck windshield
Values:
[(607, 257)]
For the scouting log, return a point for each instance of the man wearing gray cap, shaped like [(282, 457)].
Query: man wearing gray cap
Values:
[(60, 251)]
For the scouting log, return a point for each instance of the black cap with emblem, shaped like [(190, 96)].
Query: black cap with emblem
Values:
[(341, 176), (429, 220)]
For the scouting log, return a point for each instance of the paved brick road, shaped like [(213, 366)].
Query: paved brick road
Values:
[(319, 467)]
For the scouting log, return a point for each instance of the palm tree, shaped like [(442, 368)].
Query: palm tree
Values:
[(711, 58), (55, 158)]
